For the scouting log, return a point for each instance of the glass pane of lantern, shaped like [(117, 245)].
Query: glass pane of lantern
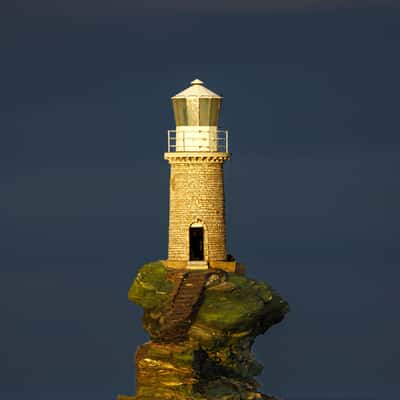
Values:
[(205, 106), (192, 104), (209, 111), (180, 111), (214, 111)]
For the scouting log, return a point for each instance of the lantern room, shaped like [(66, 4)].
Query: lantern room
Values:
[(196, 113)]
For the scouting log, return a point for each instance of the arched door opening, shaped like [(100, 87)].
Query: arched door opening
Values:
[(196, 236)]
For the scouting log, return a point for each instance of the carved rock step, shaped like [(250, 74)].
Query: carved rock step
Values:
[(187, 293)]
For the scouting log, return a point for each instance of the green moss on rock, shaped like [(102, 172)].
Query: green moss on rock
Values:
[(236, 306), (237, 309), (215, 361), (151, 289)]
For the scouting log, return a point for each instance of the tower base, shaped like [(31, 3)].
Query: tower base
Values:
[(197, 265), (227, 266)]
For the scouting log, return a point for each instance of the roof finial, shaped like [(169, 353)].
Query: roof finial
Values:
[(196, 82)]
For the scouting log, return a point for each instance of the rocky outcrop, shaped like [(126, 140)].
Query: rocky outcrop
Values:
[(202, 327)]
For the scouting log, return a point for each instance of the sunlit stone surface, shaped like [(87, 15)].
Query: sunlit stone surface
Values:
[(202, 325)]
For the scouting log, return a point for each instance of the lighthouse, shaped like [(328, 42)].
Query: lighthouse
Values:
[(198, 304), (197, 150)]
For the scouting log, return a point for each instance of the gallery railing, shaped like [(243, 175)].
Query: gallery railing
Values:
[(203, 142)]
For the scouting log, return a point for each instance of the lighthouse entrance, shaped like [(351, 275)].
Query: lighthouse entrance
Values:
[(196, 236)]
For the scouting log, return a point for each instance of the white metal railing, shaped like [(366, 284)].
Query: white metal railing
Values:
[(211, 143), (171, 141)]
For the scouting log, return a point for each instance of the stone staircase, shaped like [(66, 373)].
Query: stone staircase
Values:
[(189, 287)]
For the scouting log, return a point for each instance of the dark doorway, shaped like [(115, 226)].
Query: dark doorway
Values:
[(196, 244)]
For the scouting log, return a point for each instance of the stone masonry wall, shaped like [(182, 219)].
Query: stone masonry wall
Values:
[(197, 196)]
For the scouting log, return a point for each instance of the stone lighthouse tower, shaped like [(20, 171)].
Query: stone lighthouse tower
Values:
[(196, 153), (200, 310)]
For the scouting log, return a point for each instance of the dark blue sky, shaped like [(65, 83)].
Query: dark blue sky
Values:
[(311, 100)]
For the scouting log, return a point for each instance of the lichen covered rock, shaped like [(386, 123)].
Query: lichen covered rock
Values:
[(213, 360), (239, 304), (151, 288)]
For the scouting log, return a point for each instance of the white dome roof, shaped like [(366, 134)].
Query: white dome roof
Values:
[(197, 90)]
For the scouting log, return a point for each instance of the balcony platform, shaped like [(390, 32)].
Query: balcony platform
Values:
[(194, 156)]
